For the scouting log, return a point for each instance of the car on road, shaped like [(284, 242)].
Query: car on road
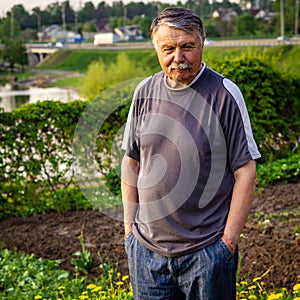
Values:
[(208, 42), (283, 39)]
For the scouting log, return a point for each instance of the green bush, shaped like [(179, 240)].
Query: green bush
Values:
[(26, 277), (272, 99), (280, 171)]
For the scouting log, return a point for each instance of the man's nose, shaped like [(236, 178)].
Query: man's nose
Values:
[(178, 55)]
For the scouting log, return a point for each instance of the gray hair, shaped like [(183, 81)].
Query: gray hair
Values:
[(180, 18)]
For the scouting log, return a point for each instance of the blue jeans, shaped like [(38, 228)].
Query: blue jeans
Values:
[(206, 274)]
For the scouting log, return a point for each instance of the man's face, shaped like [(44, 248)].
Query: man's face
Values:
[(179, 53)]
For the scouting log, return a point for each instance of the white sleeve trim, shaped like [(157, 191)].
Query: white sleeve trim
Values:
[(239, 99)]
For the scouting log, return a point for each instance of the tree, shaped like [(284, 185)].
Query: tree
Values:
[(246, 25), (14, 51), (144, 25), (226, 28), (289, 14), (87, 13), (21, 16), (89, 26)]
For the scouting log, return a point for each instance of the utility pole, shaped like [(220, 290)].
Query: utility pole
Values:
[(63, 14), (12, 24), (282, 19), (124, 14), (38, 17), (296, 17)]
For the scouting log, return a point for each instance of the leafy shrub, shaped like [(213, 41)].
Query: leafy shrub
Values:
[(272, 100), (36, 155), (282, 170), (25, 277)]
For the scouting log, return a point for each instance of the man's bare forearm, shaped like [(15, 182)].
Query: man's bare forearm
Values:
[(129, 176), (241, 203)]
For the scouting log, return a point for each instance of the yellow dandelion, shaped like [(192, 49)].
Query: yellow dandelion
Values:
[(257, 279), (82, 297), (244, 282), (271, 297), (296, 287), (38, 297), (91, 286), (275, 296), (252, 287), (120, 283), (297, 298), (97, 288), (125, 277), (252, 297), (61, 287)]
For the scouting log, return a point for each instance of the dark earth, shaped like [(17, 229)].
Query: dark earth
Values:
[(270, 240)]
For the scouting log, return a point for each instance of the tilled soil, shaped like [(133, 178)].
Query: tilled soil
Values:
[(270, 240)]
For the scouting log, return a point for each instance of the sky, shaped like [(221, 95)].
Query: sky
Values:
[(6, 5)]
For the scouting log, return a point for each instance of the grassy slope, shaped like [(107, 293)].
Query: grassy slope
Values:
[(79, 60)]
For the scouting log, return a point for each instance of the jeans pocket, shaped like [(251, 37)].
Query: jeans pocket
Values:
[(128, 241), (225, 251)]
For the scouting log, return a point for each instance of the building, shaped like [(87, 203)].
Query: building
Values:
[(106, 38)]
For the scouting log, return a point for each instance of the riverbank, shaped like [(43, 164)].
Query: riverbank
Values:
[(38, 85), (41, 79)]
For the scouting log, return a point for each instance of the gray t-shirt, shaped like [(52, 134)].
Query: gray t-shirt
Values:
[(189, 142)]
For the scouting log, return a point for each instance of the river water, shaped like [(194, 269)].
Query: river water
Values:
[(11, 99)]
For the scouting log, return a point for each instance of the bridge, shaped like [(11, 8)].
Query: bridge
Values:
[(38, 52)]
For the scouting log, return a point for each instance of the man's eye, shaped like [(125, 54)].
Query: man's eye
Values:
[(168, 50), (188, 48)]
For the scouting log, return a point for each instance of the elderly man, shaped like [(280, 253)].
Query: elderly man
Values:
[(189, 172)]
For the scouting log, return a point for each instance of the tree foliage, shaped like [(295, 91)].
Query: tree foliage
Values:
[(246, 25), (14, 50), (100, 76), (120, 14)]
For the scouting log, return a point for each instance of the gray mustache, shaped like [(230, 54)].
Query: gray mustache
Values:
[(180, 66)]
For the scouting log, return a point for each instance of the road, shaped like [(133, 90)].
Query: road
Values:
[(148, 45)]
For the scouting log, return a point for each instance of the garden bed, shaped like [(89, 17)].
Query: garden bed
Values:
[(270, 241)]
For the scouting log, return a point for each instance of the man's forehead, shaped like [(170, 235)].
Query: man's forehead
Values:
[(175, 35)]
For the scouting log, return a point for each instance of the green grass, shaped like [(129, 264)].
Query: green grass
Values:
[(74, 82), (79, 60)]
